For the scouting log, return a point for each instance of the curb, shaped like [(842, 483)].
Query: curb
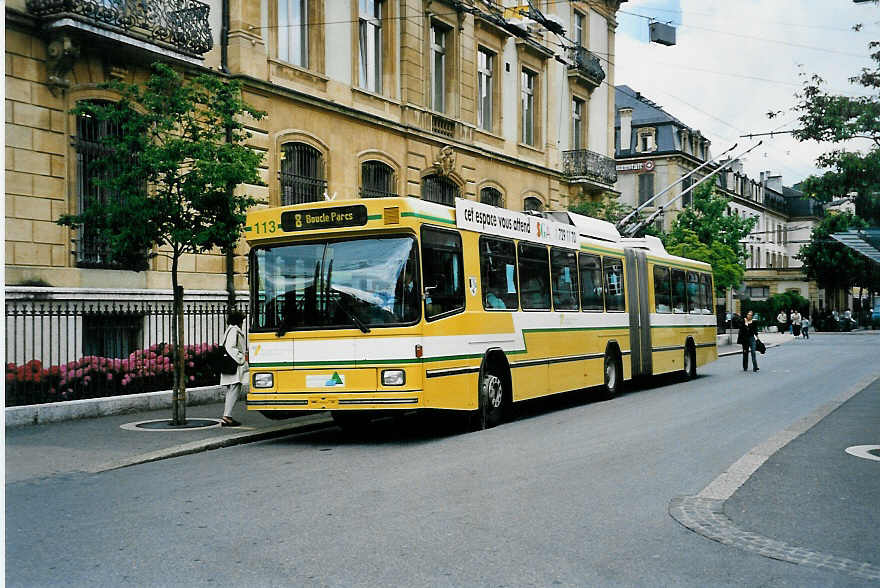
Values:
[(56, 412), (304, 424)]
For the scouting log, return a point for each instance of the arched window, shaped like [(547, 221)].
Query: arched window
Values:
[(302, 174), (491, 196), (377, 180), (439, 189), (532, 204)]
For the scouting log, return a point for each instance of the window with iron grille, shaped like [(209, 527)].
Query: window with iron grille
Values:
[(91, 247), (491, 196), (377, 180), (302, 174), (439, 189), (530, 203), (111, 334)]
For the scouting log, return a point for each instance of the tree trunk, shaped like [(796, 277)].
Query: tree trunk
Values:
[(178, 395), (230, 279)]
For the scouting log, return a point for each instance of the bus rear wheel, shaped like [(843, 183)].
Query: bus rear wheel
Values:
[(690, 362), (613, 377)]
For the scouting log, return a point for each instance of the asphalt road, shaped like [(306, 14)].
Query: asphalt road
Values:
[(572, 493)]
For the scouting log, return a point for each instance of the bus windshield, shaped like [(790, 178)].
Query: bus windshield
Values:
[(336, 284)]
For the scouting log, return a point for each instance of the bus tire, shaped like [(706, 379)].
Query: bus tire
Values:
[(613, 375), (690, 361), (351, 421), (493, 399)]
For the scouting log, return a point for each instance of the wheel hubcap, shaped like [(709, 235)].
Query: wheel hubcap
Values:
[(687, 362), (611, 374), (494, 391)]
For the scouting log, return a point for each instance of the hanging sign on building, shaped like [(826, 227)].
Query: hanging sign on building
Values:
[(491, 220), (635, 167)]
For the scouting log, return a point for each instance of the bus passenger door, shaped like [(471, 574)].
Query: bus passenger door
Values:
[(639, 312)]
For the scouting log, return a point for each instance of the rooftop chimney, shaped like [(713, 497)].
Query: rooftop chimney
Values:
[(626, 117)]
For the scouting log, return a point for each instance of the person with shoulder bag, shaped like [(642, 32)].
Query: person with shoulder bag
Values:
[(236, 371), (748, 338)]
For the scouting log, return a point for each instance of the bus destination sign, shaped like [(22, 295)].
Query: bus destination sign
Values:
[(475, 216), (324, 218)]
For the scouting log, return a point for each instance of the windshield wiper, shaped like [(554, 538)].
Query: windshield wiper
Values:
[(357, 322)]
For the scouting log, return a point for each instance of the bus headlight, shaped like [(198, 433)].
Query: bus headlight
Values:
[(393, 377), (264, 380)]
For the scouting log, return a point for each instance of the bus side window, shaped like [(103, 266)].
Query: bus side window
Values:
[(591, 282), (563, 264), (693, 290), (498, 273), (662, 295), (534, 275), (679, 300), (614, 298), (708, 294), (443, 272)]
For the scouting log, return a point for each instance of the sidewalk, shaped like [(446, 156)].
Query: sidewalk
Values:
[(99, 444)]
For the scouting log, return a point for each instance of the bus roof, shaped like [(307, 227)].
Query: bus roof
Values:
[(328, 217)]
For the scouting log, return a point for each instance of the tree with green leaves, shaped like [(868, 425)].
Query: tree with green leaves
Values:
[(843, 120), (833, 265), (179, 149), (704, 231)]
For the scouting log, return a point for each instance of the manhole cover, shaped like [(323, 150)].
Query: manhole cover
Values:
[(165, 425)]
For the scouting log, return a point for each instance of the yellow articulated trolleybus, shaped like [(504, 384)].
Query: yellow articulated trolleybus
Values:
[(398, 303)]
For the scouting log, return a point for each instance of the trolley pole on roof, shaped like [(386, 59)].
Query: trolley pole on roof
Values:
[(622, 222), (634, 228)]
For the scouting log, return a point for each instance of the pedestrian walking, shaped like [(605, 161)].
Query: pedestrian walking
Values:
[(782, 321), (748, 337), (235, 345), (805, 327), (795, 323)]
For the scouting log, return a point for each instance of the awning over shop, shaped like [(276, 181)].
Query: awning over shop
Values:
[(864, 241)]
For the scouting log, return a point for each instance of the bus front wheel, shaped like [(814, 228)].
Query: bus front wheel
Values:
[(492, 400)]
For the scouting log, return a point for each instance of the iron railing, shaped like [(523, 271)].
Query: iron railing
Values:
[(182, 24), (583, 163), (586, 64), (61, 351)]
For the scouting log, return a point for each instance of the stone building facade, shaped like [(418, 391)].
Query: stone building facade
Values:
[(426, 98)]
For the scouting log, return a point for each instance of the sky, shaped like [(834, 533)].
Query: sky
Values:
[(736, 60)]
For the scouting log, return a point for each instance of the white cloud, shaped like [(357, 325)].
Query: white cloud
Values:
[(714, 79)]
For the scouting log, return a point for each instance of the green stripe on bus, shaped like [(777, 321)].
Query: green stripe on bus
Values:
[(427, 217)]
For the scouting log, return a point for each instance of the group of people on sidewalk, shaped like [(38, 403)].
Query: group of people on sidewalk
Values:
[(795, 323)]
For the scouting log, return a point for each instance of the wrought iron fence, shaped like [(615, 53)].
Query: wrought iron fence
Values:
[(61, 351), (180, 23), (586, 64)]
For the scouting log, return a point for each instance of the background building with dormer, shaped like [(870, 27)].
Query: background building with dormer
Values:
[(654, 149)]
